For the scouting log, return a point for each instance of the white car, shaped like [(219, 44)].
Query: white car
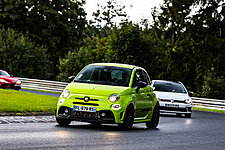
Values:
[(173, 97)]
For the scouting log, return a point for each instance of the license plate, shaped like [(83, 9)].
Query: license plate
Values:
[(84, 108), (172, 105)]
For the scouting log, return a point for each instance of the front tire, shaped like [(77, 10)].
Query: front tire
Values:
[(188, 115), (155, 118), (63, 122), (128, 119)]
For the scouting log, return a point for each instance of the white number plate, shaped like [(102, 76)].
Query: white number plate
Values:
[(84, 108), (172, 105)]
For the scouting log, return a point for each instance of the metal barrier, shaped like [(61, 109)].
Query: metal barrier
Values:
[(55, 86), (208, 103), (46, 85)]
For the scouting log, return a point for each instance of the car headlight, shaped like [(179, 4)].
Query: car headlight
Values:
[(3, 81), (188, 101), (66, 94), (114, 97), (18, 82)]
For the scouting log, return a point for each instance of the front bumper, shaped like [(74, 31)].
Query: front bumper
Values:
[(102, 116), (178, 108)]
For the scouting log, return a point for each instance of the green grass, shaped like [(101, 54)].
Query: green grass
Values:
[(210, 110), (12, 101), (41, 91)]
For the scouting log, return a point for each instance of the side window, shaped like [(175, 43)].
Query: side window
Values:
[(147, 78), (138, 76)]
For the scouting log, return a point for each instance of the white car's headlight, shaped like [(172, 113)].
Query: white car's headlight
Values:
[(188, 101), (18, 82), (66, 94), (114, 97)]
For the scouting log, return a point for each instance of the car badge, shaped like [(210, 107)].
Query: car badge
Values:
[(172, 100), (86, 99)]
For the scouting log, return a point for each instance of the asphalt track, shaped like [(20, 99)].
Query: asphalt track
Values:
[(204, 131)]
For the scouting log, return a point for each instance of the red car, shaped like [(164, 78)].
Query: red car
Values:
[(6, 81)]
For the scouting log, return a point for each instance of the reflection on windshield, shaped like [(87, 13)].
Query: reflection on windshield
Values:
[(106, 75), (169, 87), (3, 73)]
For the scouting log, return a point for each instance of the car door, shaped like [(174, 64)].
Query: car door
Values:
[(149, 92), (140, 95)]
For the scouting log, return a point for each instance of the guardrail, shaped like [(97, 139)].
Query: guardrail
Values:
[(208, 103), (46, 85), (55, 86)]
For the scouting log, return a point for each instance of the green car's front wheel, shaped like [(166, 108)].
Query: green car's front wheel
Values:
[(128, 119), (155, 118), (63, 122)]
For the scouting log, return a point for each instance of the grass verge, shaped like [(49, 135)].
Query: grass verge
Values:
[(41, 91), (12, 101), (210, 110)]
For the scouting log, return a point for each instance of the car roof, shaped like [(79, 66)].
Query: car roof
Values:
[(116, 65), (2, 70)]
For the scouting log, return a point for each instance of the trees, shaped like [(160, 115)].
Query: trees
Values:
[(193, 41), (183, 43), (22, 57), (94, 51), (57, 24)]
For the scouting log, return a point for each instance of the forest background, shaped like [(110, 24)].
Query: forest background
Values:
[(52, 39)]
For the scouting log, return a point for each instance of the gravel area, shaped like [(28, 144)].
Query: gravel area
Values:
[(27, 119)]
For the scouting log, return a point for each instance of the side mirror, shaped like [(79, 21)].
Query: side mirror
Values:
[(190, 93), (141, 84), (71, 78)]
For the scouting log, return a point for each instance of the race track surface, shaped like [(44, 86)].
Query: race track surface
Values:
[(204, 131)]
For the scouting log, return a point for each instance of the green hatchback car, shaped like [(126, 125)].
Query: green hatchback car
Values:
[(109, 93)]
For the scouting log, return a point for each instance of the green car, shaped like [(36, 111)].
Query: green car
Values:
[(109, 93)]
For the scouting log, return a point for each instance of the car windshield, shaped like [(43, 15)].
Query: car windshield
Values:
[(169, 87), (3, 73), (106, 75)]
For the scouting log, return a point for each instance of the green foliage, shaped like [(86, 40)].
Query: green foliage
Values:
[(180, 45), (94, 51), (106, 14), (22, 57), (57, 24), (194, 43), (213, 86), (131, 45)]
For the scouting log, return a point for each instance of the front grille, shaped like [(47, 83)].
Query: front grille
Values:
[(108, 116), (5, 85), (90, 115), (175, 101), (164, 100), (85, 103)]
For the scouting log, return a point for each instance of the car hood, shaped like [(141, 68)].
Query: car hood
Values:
[(9, 79), (96, 89), (171, 95)]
